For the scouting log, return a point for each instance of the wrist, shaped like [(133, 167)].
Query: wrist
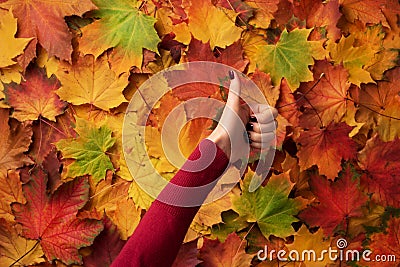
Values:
[(221, 138)]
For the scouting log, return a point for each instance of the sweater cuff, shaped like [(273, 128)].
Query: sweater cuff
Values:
[(197, 177)]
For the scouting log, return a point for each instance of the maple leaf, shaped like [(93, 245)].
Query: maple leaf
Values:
[(210, 213), (44, 21), (381, 161), (16, 138), (353, 58), (386, 243), (327, 101), (320, 147), (89, 150), (106, 246), (126, 217), (10, 191), (208, 23), (269, 206), (367, 11), (319, 14), (91, 81), (13, 47), (35, 97), (46, 134), (287, 104), (123, 26), (106, 195), (230, 253), (304, 240), (379, 106), (289, 58), (244, 10), (264, 12), (372, 217), (16, 250), (187, 255), (61, 233), (232, 55), (338, 201)]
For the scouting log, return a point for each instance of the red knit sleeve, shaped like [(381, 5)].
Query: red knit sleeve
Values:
[(159, 235)]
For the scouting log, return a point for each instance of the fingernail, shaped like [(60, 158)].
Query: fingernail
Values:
[(253, 118), (248, 134), (231, 74), (249, 127)]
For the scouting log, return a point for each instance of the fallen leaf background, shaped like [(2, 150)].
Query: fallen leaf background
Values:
[(68, 70)]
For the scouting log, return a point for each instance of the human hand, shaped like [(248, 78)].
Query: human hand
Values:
[(231, 128)]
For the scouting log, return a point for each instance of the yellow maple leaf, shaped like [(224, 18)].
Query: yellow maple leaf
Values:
[(14, 247), (126, 217), (305, 241), (91, 81), (10, 46), (211, 24), (353, 58)]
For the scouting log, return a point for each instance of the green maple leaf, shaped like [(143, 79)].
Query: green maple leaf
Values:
[(269, 206), (122, 26), (289, 58), (89, 150)]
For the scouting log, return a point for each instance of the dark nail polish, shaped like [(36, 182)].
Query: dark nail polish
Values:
[(231, 74), (253, 118), (249, 127)]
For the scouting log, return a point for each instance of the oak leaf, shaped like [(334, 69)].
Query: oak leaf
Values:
[(338, 201), (306, 241), (379, 106), (16, 250), (321, 147), (124, 27), (16, 138), (385, 244), (35, 97), (12, 47), (89, 150), (381, 163), (208, 23), (230, 253), (44, 21), (269, 206), (289, 58), (60, 233), (91, 81), (10, 191), (106, 246)]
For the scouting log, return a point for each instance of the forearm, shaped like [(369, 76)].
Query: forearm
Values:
[(159, 235)]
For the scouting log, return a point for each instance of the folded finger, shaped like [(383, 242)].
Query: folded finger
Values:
[(262, 127)]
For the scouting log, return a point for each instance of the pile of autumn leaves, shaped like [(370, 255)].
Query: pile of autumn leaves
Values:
[(68, 69)]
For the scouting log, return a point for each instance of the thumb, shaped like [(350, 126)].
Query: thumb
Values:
[(234, 90)]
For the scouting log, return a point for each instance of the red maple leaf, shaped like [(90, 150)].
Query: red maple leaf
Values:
[(44, 20), (326, 148), (51, 219), (381, 162), (339, 201), (106, 246), (385, 244)]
